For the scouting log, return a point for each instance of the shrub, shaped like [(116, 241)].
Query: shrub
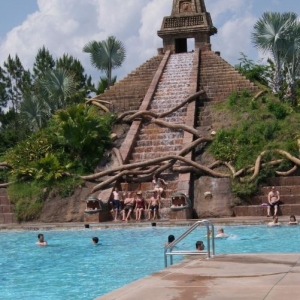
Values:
[(278, 110)]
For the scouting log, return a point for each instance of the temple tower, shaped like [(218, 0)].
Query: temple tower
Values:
[(188, 20)]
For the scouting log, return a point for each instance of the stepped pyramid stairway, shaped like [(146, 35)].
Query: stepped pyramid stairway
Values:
[(6, 209), (289, 190), (129, 92), (154, 141), (218, 78)]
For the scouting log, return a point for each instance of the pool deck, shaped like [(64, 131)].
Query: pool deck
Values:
[(242, 276), (249, 277)]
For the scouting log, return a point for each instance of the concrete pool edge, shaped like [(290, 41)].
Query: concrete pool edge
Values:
[(239, 276), (36, 226)]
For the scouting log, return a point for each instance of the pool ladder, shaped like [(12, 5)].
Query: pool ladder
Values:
[(168, 250)]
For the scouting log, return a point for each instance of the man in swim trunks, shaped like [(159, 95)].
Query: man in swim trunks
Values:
[(273, 199), (116, 196), (129, 204), (154, 206)]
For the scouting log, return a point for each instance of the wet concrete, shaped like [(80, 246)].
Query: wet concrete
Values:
[(247, 276)]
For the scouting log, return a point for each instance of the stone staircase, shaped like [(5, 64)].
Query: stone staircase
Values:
[(219, 79), (6, 209), (154, 141), (289, 190), (129, 92)]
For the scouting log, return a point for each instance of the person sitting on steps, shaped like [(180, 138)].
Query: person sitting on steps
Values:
[(129, 203), (154, 206), (140, 206), (273, 201), (158, 182)]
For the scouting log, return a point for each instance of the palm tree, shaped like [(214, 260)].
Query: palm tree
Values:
[(34, 112), (106, 55), (56, 87), (278, 34)]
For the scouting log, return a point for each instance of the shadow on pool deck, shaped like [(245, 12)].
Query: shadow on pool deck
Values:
[(247, 276)]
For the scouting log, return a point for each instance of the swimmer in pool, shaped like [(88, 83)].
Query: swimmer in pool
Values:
[(41, 241), (274, 222), (293, 220), (95, 240), (171, 239), (200, 246), (221, 233)]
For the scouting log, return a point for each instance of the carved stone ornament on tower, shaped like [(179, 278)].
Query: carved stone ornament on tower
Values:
[(189, 19)]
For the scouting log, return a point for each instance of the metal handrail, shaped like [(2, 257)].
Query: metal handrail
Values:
[(170, 246)]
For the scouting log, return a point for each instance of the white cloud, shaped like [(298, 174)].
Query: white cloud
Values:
[(235, 37), (65, 26)]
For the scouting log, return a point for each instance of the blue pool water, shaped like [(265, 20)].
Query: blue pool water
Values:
[(71, 267)]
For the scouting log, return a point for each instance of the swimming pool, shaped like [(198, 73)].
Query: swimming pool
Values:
[(70, 267)]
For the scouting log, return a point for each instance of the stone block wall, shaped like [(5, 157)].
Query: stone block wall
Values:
[(218, 78), (219, 203), (6, 209)]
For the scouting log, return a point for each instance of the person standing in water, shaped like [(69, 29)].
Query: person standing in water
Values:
[(41, 241)]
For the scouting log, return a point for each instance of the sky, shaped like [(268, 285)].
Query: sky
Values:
[(65, 26)]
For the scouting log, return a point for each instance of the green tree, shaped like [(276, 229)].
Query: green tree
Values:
[(279, 35), (43, 62), (84, 83), (68, 62), (106, 55), (34, 112), (56, 87), (17, 81), (3, 93)]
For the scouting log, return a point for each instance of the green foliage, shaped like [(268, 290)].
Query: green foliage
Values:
[(4, 175), (28, 200), (233, 98), (273, 125), (278, 109), (26, 154), (49, 168), (252, 71), (43, 62), (83, 133), (243, 190), (66, 186)]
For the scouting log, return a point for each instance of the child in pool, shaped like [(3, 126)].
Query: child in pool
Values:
[(293, 220)]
